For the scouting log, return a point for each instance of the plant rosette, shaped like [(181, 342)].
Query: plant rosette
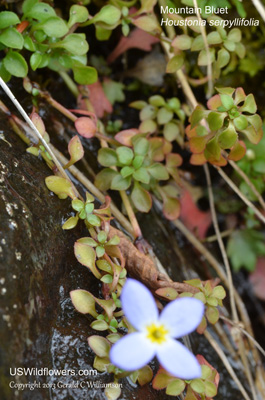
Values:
[(231, 113)]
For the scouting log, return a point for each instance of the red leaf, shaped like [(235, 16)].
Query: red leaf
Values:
[(99, 100), (138, 39), (124, 137), (194, 219), (257, 279), (85, 127)]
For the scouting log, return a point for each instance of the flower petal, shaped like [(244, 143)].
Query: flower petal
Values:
[(178, 360), (182, 316), (138, 304), (132, 352)]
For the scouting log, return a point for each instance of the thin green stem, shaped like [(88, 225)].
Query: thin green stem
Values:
[(69, 83)]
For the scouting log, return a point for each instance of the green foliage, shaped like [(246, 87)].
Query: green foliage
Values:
[(243, 248), (231, 114), (204, 387), (49, 39)]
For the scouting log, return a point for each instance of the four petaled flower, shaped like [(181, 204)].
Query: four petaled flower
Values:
[(156, 332)]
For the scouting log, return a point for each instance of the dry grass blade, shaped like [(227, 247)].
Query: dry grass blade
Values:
[(230, 280)]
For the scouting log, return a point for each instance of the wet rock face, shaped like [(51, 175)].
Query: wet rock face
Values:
[(39, 327)]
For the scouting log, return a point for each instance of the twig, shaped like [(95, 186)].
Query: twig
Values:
[(226, 363), (260, 8), (213, 238), (238, 326), (240, 194), (33, 127), (221, 243), (131, 214), (208, 55)]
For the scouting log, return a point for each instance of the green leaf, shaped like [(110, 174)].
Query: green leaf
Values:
[(108, 14), (125, 155), (83, 302), (10, 37), (93, 220), (244, 247), (175, 387), (219, 292), (249, 105), (84, 75), (7, 19), (77, 205), (99, 325), (114, 91), (107, 278), (15, 64), (35, 60), (223, 58), (147, 23), (120, 183), (182, 42), (229, 45), (78, 14), (234, 35), (157, 101), (197, 44), (148, 112), (210, 389), (39, 11), (142, 175), (175, 63), (171, 208), (164, 116), (99, 345), (141, 198), (145, 375), (60, 186), (54, 27), (5, 75), (196, 116), (171, 131), (28, 5), (228, 137), (107, 157), (104, 178), (203, 57), (241, 122), (29, 44), (75, 150), (70, 223), (215, 120), (214, 38), (159, 172), (212, 314), (87, 257), (162, 379), (227, 101), (75, 43), (197, 385), (141, 146), (126, 171)]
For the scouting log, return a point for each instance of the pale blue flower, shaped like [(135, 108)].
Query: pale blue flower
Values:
[(156, 333)]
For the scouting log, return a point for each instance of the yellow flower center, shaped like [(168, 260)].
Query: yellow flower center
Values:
[(157, 333)]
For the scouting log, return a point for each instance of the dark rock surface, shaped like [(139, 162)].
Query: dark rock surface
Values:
[(39, 327)]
